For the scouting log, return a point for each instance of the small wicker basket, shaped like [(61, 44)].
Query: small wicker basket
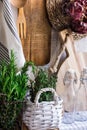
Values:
[(43, 115), (58, 20), (77, 36)]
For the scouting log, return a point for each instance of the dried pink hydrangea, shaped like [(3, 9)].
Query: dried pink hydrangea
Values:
[(77, 11)]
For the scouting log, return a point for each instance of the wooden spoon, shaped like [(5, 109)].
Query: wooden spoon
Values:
[(18, 3)]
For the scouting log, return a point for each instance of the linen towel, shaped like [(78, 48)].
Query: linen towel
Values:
[(4, 54), (9, 37)]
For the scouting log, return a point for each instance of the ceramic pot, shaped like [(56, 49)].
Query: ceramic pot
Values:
[(18, 3)]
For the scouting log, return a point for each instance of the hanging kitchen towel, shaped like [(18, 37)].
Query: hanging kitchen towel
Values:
[(9, 37), (4, 54)]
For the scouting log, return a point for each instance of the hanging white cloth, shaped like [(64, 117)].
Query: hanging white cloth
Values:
[(9, 37)]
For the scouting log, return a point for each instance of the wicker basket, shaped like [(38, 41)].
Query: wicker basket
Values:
[(43, 115), (57, 18), (77, 36)]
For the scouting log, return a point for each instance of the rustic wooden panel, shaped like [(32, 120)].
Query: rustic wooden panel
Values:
[(37, 45), (26, 42), (40, 49)]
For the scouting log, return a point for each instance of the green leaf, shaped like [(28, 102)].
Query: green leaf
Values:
[(43, 80), (14, 87)]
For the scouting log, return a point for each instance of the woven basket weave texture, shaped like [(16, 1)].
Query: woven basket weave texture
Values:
[(77, 36), (43, 115), (57, 18)]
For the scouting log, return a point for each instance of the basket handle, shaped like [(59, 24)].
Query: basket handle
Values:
[(45, 90)]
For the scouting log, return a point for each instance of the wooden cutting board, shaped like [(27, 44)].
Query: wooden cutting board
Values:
[(37, 47)]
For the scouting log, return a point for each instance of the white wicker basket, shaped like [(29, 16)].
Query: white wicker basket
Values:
[(43, 115)]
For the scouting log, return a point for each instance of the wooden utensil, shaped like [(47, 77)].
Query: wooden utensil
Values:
[(21, 23), (18, 3)]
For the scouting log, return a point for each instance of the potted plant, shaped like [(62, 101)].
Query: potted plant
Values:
[(43, 79), (43, 110), (13, 88)]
